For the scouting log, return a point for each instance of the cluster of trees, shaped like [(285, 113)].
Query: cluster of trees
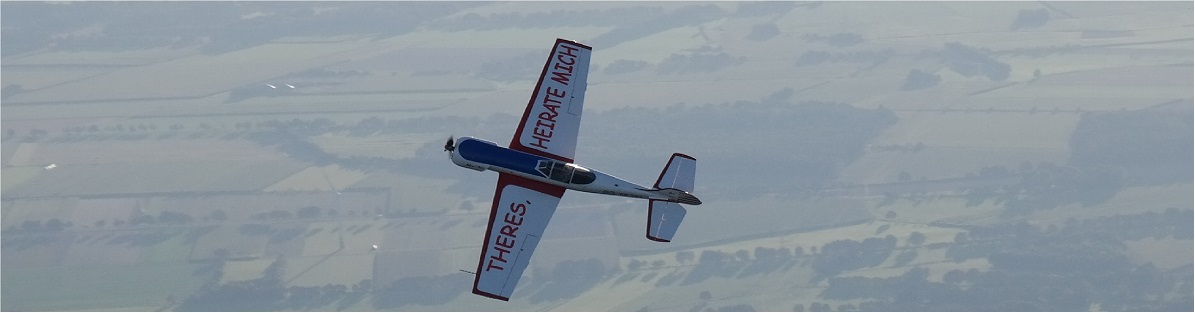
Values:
[(625, 66), (823, 307), (546, 19), (831, 259), (33, 226), (763, 32), (571, 278), (1030, 19), (843, 255), (11, 90), (178, 218), (631, 29), (1076, 267), (55, 224), (1050, 186), (1044, 186), (1146, 147), (765, 8), (269, 293), (971, 61), (1109, 151), (837, 40), (698, 61), (918, 79), (912, 147)]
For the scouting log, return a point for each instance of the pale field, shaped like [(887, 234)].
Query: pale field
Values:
[(35, 250), (143, 151), (339, 269), (317, 178), (84, 179), (807, 241), (245, 270), (360, 236), (390, 146), (242, 207), (229, 238), (115, 251), (176, 249), (101, 112), (35, 78), (499, 38), (414, 193), (1164, 253), (40, 210), (101, 58), (322, 238), (17, 175), (945, 209), (933, 260), (208, 74)]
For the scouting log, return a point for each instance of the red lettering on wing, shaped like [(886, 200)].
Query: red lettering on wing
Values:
[(505, 241), (568, 50), (563, 70), (542, 131), (539, 141), (562, 77), (509, 230), (490, 265)]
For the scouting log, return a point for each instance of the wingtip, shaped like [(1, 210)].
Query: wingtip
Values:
[(649, 237), (489, 295), (575, 42)]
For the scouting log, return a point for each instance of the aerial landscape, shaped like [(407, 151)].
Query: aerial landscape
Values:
[(852, 156)]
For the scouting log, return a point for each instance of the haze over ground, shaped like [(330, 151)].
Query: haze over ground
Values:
[(946, 156)]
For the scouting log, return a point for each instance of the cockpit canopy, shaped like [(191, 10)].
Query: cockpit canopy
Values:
[(565, 172)]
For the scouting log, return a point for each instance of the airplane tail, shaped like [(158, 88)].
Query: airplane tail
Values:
[(676, 182)]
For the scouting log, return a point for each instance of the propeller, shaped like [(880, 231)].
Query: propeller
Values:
[(449, 146)]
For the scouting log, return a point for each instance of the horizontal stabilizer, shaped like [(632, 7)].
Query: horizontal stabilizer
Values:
[(663, 219)]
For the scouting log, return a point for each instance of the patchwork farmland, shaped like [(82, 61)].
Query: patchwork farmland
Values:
[(849, 150)]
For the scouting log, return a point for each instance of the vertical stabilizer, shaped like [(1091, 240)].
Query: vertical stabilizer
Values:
[(676, 181), (679, 173)]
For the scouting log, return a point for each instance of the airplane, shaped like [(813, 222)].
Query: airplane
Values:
[(537, 167)]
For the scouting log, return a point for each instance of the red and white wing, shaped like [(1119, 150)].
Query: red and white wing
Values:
[(521, 211), (553, 115)]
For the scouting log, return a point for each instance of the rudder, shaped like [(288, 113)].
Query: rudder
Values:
[(679, 173)]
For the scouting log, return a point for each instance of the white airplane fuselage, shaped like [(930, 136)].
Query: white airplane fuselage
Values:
[(481, 155)]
